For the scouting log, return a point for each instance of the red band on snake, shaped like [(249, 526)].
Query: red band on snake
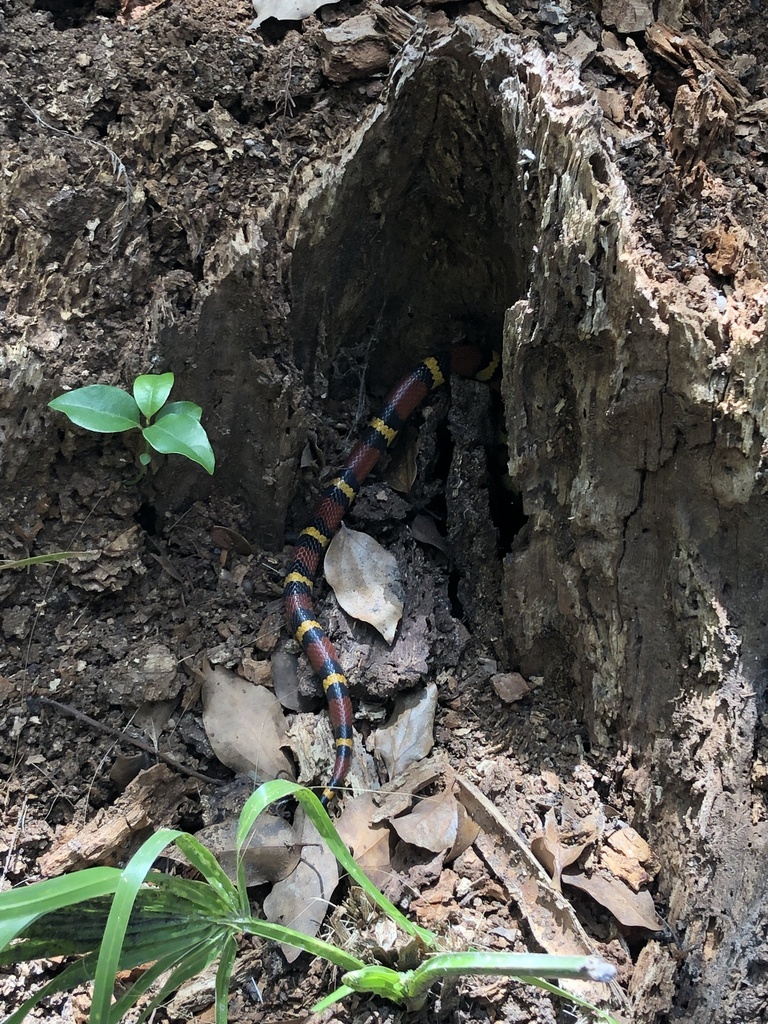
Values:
[(381, 432)]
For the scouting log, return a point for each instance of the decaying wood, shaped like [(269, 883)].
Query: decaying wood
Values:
[(153, 799), (546, 912), (635, 415)]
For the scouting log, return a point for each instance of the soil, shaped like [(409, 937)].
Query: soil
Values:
[(146, 152)]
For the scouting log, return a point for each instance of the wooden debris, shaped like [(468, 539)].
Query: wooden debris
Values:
[(723, 248), (153, 799), (581, 48), (628, 15), (549, 916), (624, 59), (357, 48)]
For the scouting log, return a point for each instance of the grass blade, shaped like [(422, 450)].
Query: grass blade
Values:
[(223, 977), (192, 891), (131, 879), (194, 963), (309, 944), (201, 858), (515, 965), (54, 556), (168, 964), (277, 790), (19, 908), (334, 997)]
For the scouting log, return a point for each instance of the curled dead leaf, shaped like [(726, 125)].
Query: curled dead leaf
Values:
[(244, 724), (433, 824), (368, 841), (551, 852), (301, 900), (230, 540), (408, 735), (631, 909), (271, 853), (438, 823), (366, 580)]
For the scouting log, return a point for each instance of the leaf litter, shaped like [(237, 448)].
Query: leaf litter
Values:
[(244, 724), (366, 580), (301, 900)]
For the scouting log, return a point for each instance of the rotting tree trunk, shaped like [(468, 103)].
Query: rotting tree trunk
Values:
[(635, 428), (481, 198)]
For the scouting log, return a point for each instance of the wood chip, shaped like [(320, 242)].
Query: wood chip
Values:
[(357, 48), (628, 15), (153, 799)]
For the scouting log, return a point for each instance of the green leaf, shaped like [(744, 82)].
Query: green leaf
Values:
[(181, 435), (333, 997), (182, 408), (99, 407), (151, 391), (200, 857), (167, 964), (20, 907), (54, 556), (131, 879), (223, 977)]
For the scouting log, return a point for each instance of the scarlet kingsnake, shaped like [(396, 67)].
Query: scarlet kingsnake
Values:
[(464, 360)]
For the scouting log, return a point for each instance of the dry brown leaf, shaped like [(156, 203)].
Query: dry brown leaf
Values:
[(153, 716), (397, 796), (272, 851), (467, 833), (244, 725), (302, 899), (631, 909), (408, 735), (366, 580), (550, 851), (401, 472), (368, 842), (230, 540), (433, 824), (285, 679), (424, 530)]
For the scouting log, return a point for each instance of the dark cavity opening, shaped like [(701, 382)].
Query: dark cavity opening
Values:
[(414, 239), (417, 238)]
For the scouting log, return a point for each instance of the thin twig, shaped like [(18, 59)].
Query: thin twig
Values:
[(66, 709)]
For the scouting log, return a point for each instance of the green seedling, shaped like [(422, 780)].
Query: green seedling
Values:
[(169, 429), (119, 919)]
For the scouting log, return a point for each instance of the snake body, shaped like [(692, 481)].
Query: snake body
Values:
[(335, 500)]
